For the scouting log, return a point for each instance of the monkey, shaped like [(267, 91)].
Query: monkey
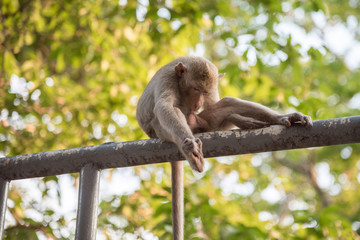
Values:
[(182, 98)]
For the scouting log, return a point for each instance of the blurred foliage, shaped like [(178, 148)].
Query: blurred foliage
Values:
[(71, 73)]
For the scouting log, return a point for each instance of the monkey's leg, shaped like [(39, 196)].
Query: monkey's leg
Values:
[(246, 122), (171, 125), (265, 114), (221, 115), (230, 122)]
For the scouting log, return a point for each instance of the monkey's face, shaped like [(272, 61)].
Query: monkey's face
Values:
[(195, 97), (199, 84), (197, 78)]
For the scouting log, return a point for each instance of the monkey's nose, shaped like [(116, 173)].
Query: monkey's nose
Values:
[(195, 107)]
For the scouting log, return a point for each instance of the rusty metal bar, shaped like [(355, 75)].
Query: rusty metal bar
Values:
[(4, 187), (113, 155), (177, 190), (88, 203)]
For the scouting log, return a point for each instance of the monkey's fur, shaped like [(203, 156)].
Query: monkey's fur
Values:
[(182, 99)]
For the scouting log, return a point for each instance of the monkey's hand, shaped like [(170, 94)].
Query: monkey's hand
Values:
[(192, 149), (288, 119)]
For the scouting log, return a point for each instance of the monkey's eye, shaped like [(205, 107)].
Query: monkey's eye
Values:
[(200, 91)]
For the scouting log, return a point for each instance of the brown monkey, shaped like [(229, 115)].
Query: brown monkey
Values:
[(182, 99)]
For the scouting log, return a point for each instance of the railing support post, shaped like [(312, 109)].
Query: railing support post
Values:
[(177, 189), (4, 187), (88, 203)]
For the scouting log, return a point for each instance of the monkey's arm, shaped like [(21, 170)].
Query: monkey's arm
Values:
[(231, 111), (170, 124)]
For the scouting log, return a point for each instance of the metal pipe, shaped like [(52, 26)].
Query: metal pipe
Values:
[(4, 187), (177, 190), (88, 203), (114, 155)]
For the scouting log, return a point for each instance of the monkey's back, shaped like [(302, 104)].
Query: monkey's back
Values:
[(163, 80), (164, 86)]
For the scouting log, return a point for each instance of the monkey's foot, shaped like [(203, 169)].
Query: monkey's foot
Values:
[(295, 117), (192, 148)]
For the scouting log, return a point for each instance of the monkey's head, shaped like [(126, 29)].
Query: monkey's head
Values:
[(197, 77)]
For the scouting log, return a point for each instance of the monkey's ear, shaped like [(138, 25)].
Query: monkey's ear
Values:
[(221, 75), (180, 69)]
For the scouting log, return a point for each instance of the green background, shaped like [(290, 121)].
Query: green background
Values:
[(82, 65)]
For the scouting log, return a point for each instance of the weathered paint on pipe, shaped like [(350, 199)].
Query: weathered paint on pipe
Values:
[(88, 203), (4, 187), (225, 143)]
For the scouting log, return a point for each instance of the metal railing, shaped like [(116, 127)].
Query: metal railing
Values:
[(89, 161)]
